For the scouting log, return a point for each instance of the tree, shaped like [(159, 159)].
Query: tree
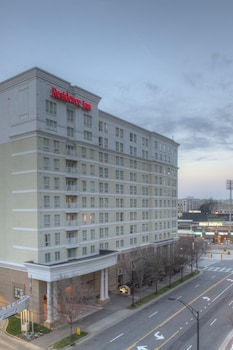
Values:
[(72, 294), (208, 206)]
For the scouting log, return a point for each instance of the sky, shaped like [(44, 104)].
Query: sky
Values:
[(165, 65)]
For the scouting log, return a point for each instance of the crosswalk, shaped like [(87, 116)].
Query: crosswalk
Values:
[(218, 269)]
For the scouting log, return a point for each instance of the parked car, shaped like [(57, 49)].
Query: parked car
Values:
[(124, 289)]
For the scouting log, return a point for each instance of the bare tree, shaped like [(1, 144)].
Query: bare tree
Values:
[(73, 293)]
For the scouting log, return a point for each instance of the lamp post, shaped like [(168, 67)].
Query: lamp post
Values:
[(194, 312), (230, 187)]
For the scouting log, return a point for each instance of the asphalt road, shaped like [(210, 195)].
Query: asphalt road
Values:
[(167, 324)]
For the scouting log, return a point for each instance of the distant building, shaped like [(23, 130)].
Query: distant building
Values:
[(79, 187)]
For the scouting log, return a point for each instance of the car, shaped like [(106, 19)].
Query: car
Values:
[(124, 289)]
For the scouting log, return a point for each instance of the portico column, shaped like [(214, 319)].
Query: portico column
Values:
[(102, 285), (55, 308), (106, 284), (49, 302)]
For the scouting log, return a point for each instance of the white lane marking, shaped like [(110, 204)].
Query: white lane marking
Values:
[(155, 313), (222, 292), (120, 335), (213, 322)]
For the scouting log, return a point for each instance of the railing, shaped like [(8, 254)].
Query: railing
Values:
[(72, 223), (72, 170), (72, 205), (15, 307)]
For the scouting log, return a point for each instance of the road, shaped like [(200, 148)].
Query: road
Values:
[(167, 324)]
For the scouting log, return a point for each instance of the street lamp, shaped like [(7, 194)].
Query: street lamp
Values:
[(230, 187), (194, 312)]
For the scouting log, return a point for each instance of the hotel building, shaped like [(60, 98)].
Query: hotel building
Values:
[(79, 187)]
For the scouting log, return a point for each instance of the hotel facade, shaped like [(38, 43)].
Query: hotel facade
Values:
[(79, 188)]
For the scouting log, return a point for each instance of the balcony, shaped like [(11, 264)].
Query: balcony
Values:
[(72, 242), (72, 223), (71, 188), (72, 171), (71, 154), (71, 207)]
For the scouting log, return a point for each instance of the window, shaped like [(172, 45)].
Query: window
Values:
[(119, 216), (18, 292), (103, 217), (92, 186), (92, 170), (84, 186), (87, 135), (56, 146), (119, 188), (133, 228), (103, 172), (103, 126), (57, 256), (84, 250), (92, 154), (84, 235), (57, 238), (92, 202), (56, 163), (56, 202), (119, 146), (87, 120), (46, 182), (56, 220), (51, 124), (70, 131), (70, 116), (103, 202), (51, 107), (133, 137), (46, 144), (92, 249), (92, 234), (47, 257), (46, 163), (119, 161), (84, 152), (46, 220), (84, 202), (119, 202), (133, 215), (47, 239), (92, 218), (119, 132), (119, 175), (133, 203), (46, 202), (71, 253), (84, 169), (103, 187), (56, 183)]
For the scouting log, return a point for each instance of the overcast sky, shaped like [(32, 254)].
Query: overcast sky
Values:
[(166, 65)]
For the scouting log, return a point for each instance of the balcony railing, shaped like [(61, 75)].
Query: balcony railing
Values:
[(72, 205), (71, 170), (72, 223), (71, 188)]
